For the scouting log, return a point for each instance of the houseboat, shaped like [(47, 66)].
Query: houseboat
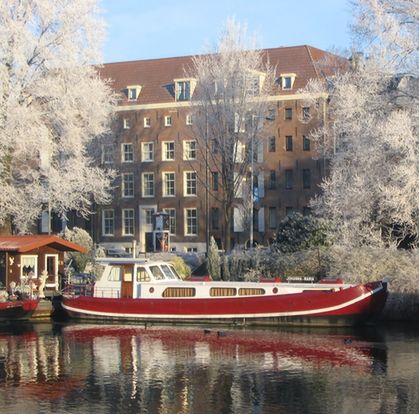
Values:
[(144, 291)]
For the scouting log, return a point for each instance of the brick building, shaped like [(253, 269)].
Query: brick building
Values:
[(159, 166)]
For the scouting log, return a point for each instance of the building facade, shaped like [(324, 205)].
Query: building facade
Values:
[(160, 168)]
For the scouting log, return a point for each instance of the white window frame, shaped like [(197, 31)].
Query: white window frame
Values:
[(107, 154), (147, 151), (133, 92), (147, 122), (126, 123), (104, 218), (189, 154), (284, 78), (165, 182), (131, 219), (165, 151), (189, 120), (126, 190), (188, 184), (191, 225), (168, 120), (34, 260), (143, 186), (124, 152)]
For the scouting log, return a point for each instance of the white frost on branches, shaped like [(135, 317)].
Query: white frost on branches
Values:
[(53, 106), (230, 104), (372, 192)]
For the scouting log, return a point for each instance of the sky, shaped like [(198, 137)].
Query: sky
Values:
[(148, 29)]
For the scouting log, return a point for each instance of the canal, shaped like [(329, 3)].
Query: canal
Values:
[(83, 368)]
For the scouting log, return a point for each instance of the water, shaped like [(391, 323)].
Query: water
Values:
[(47, 368)]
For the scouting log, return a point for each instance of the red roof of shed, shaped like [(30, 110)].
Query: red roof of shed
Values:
[(23, 244)]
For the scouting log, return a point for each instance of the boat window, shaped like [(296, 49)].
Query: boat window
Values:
[(251, 291), (142, 275), (173, 270), (178, 292), (221, 291), (115, 274), (157, 273), (167, 272)]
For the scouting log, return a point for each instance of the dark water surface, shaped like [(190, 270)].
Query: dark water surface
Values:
[(49, 368)]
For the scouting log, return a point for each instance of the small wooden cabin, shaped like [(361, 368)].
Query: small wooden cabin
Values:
[(26, 257)]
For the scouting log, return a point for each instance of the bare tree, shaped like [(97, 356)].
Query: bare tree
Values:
[(372, 193), (53, 105), (230, 104)]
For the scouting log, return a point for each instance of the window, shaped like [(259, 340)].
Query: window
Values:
[(272, 144), (288, 114), (128, 185), (306, 144), (128, 222), (133, 92), (214, 181), (215, 218), (147, 151), (147, 122), (272, 179), (108, 222), (272, 217), (189, 150), (191, 222), (183, 90), (127, 153), (288, 143), (169, 184), (214, 146), (148, 184), (126, 123), (107, 154), (189, 183), (306, 178), (287, 80), (29, 265), (172, 219), (189, 119), (289, 179), (149, 215), (168, 121), (168, 150), (306, 113)]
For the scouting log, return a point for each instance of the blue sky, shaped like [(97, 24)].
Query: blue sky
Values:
[(139, 29)]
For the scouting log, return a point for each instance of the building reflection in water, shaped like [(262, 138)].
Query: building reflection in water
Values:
[(181, 370)]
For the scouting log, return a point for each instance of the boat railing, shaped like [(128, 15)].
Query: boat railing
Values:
[(107, 292)]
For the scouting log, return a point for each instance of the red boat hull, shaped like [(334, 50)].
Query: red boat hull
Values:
[(342, 307), (17, 310)]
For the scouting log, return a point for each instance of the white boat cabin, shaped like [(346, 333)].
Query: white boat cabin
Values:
[(126, 277)]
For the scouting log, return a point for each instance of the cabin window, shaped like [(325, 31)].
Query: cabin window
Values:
[(216, 291), (115, 274), (142, 275), (29, 265), (251, 291), (167, 272), (157, 273), (173, 292)]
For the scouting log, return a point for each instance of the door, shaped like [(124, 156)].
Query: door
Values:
[(51, 266), (127, 274)]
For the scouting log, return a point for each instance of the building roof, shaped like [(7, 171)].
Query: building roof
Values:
[(155, 75), (24, 244)]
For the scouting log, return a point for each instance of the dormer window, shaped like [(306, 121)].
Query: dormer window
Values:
[(287, 80), (133, 92), (184, 89)]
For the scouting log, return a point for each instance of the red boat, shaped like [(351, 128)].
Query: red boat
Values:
[(17, 310), (151, 291)]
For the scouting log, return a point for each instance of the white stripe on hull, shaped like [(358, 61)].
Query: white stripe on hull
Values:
[(222, 316)]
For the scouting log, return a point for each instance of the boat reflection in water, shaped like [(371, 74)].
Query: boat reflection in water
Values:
[(72, 368)]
